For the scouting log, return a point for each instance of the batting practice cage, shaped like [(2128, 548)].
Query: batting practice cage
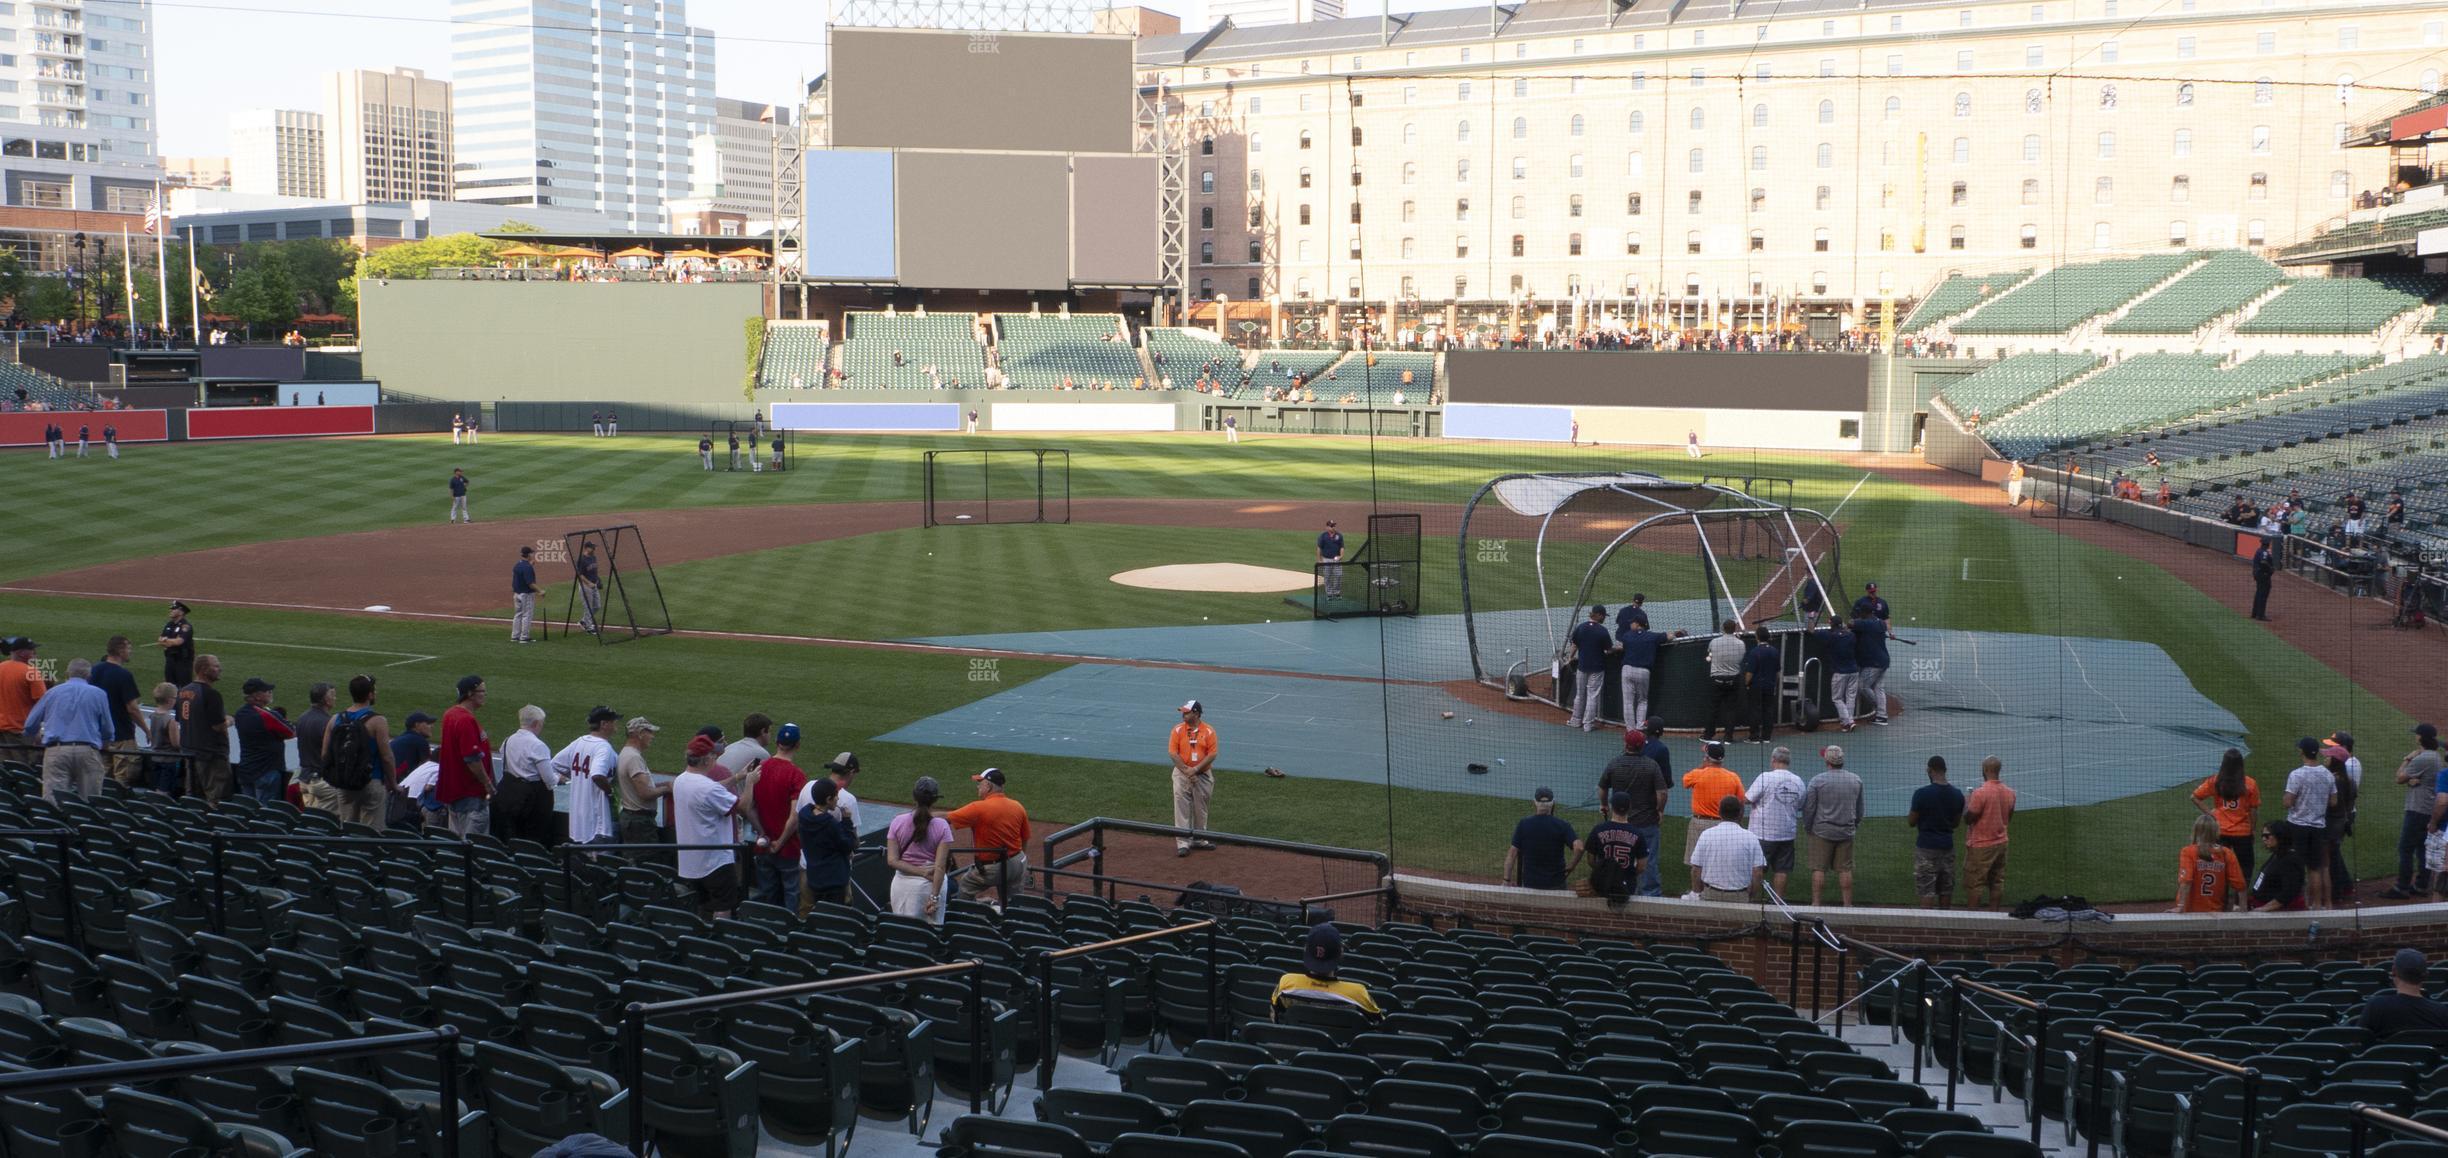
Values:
[(761, 448), (625, 600), (1020, 485), (1381, 578)]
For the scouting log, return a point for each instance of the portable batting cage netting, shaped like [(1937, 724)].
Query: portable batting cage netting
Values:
[(1694, 555), (1013, 485), (1381, 578), (614, 595)]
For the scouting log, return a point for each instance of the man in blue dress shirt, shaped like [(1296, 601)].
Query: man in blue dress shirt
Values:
[(74, 723)]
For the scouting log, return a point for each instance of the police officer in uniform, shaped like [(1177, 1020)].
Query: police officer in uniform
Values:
[(178, 647), (2264, 568)]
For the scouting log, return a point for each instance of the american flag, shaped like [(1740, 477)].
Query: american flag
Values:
[(153, 215)]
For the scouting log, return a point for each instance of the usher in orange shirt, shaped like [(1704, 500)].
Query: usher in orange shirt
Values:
[(1192, 743), (1708, 786)]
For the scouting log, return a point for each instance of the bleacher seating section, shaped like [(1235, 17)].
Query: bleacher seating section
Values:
[(2338, 305), (1957, 294), (1042, 351), (1993, 391), (2401, 229), (2439, 320), (2067, 296), (2223, 285), (1179, 355), (947, 342), (1271, 367), (793, 350), (51, 392), (1382, 373), (2153, 389)]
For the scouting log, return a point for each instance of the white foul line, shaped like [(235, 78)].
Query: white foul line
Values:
[(1857, 486), (413, 657), (1968, 577)]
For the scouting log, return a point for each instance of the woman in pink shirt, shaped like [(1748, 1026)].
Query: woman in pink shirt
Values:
[(913, 846)]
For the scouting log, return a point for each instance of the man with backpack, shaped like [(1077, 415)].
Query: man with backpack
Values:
[(356, 757)]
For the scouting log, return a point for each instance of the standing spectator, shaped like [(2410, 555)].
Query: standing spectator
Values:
[(1640, 778), (523, 807), (774, 795), (2231, 795), (73, 722), (742, 757), (1937, 808), (1192, 748), (1656, 750), (203, 725), (2403, 1005), (1725, 663), (355, 756), (2346, 782), (1330, 560), (1727, 862), (127, 710), (999, 826), (177, 644), (21, 685), (1986, 814), (523, 596), (1709, 783), (409, 750), (703, 808), (164, 772), (458, 491), (1535, 859), (2208, 879), (586, 764), (1776, 807), (1844, 671), (2309, 789), (263, 735), (634, 788), (1870, 636), (1763, 676), (1639, 646), (1831, 813), (1618, 855), (843, 768), (311, 726), (2419, 772), (465, 788), (826, 842), (1590, 644), (914, 845)]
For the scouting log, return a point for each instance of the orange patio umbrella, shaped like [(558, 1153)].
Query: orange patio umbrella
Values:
[(689, 254), (522, 251), (634, 251), (749, 251)]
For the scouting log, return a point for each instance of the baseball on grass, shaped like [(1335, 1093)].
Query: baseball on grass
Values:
[(1444, 715)]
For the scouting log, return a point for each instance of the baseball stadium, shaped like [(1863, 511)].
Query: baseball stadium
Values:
[(2030, 557)]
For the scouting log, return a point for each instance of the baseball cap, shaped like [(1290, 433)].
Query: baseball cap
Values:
[(2308, 746), (1191, 706), (701, 746), (1544, 795), (469, 683), (2426, 731), (1715, 749), (842, 762), (2409, 964), (255, 684), (599, 714), (18, 642), (2342, 739), (1637, 597), (991, 776), (642, 724), (1324, 949), (415, 718), (711, 731), (926, 791), (1634, 739), (787, 734), (1598, 611)]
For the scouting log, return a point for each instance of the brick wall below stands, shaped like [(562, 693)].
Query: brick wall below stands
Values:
[(1757, 940)]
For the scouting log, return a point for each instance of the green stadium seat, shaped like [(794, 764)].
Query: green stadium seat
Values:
[(1957, 294), (2338, 305), (1100, 1116), (2070, 295), (946, 343), (2225, 283), (1086, 351), (1260, 1131)]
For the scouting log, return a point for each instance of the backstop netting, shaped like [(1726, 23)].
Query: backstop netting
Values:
[(1018, 485), (613, 592)]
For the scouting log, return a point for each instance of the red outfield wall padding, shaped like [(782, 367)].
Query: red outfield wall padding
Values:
[(280, 422), (134, 426)]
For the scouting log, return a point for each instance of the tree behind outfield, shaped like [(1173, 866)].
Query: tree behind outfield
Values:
[(418, 259)]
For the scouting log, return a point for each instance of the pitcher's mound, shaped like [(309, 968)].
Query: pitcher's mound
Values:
[(1236, 578)]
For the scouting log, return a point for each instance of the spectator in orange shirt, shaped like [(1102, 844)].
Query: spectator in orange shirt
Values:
[(2208, 879), (1986, 812), (2235, 800), (999, 830), (1193, 748), (20, 685), (1709, 783)]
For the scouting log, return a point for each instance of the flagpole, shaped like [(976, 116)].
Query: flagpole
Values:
[(195, 308), (161, 255), (127, 273)]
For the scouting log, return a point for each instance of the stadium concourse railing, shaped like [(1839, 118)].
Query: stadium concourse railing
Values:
[(2366, 1116), (1101, 883)]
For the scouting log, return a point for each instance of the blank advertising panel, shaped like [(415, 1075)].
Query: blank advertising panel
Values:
[(983, 221), (1028, 92), (1114, 221), (849, 215)]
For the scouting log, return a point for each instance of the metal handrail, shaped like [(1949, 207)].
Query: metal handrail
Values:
[(445, 1043), (1371, 891), (2367, 1115), (220, 890), (1095, 828), (2102, 1035), (2032, 1043), (1049, 1045), (633, 1026)]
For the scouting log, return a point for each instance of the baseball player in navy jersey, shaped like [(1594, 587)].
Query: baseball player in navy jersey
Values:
[(84, 435), (459, 489), (523, 596), (110, 441), (705, 451), (590, 587)]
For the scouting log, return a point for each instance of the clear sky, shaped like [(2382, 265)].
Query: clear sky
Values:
[(216, 57)]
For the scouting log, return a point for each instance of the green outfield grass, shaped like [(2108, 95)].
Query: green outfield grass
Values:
[(163, 499)]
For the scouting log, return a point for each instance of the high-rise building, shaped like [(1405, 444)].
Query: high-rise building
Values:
[(389, 136), (588, 104), (731, 170), (77, 127), (196, 172), (1251, 13), (276, 151)]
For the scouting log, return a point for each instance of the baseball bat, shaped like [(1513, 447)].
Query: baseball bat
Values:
[(1906, 642)]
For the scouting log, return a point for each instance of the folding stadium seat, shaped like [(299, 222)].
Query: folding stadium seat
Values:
[(1388, 1138), (148, 1004), (297, 1023), (2395, 1097), (1236, 1057), (1088, 1007), (1747, 1084), (896, 1076), (1913, 1126), (1641, 1099), (62, 1124), (1972, 1144), (1284, 1041), (1316, 1095), (1508, 1060), (28, 1040), (373, 994), (2146, 1100), (534, 1102), (345, 1115), (1703, 1057), (1696, 1132), (148, 1126), (94, 1041), (807, 1075), (1392, 1049), (2408, 1148), (574, 1037), (981, 1136), (1773, 1111), (1100, 1116), (477, 1015), (946, 1004), (1258, 1131), (1564, 1119), (1874, 1096), (1457, 1110), (69, 983), (37, 885)]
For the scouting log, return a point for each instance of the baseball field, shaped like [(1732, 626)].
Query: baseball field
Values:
[(815, 596)]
